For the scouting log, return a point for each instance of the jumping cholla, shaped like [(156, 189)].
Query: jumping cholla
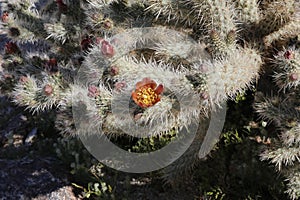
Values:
[(161, 64), (282, 108)]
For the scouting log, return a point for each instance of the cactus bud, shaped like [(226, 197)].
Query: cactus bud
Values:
[(107, 49), (231, 37), (114, 70), (23, 79), (48, 90), (93, 91), (107, 24), (4, 17), (203, 68), (288, 55), (204, 95), (120, 85), (293, 77)]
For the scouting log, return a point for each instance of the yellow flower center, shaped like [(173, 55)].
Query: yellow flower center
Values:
[(147, 96)]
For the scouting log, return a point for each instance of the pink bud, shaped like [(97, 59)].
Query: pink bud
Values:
[(4, 17), (203, 68), (120, 85), (114, 70), (288, 55), (107, 49), (293, 77), (107, 24), (93, 91), (23, 79), (204, 95), (48, 89)]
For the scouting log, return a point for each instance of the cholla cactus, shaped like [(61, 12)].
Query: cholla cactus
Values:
[(280, 106), (283, 110), (212, 76), (272, 21), (135, 63)]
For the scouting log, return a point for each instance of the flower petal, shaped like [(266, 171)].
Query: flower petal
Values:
[(159, 89)]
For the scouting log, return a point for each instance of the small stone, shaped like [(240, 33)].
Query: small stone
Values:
[(31, 136), (264, 124)]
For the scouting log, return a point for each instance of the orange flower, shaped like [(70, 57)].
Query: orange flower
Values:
[(147, 93)]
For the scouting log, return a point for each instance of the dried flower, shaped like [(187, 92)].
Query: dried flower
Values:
[(147, 93), (86, 43), (62, 6), (11, 48), (51, 65)]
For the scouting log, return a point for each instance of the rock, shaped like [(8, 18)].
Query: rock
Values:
[(31, 136), (34, 178), (64, 193)]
